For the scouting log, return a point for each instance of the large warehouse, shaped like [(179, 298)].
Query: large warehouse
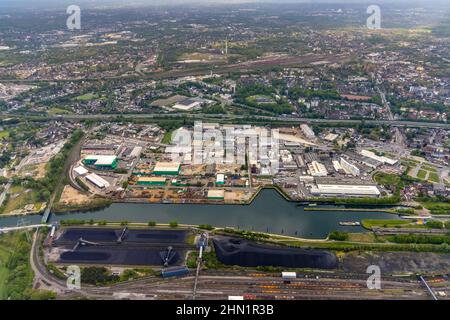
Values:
[(98, 181), (216, 194), (151, 181), (167, 168), (317, 169), (333, 190), (101, 162)]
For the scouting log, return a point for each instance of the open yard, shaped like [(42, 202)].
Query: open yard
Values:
[(20, 198)]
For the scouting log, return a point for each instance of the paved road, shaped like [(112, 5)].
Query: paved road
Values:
[(212, 117)]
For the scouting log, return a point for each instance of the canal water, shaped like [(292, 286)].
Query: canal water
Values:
[(269, 212)]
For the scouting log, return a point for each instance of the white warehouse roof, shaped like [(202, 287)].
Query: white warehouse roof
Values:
[(350, 190), (101, 159), (97, 180), (80, 170)]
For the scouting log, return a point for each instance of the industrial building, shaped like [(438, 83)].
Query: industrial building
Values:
[(349, 168), (167, 168), (220, 179), (151, 181), (342, 190), (80, 171), (98, 181), (382, 159), (101, 162), (188, 104), (317, 169), (216, 194), (337, 166), (307, 131)]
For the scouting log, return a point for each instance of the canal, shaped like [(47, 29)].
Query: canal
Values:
[(269, 212)]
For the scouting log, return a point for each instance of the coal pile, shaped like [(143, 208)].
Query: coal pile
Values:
[(111, 235), (122, 246), (118, 256), (235, 251), (90, 234)]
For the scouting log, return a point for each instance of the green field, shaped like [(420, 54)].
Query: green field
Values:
[(15, 272), (386, 179), (368, 224), (87, 97), (19, 198), (167, 139), (421, 174), (437, 207), (433, 177), (429, 168), (4, 134), (56, 111)]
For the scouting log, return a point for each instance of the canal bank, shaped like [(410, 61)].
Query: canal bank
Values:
[(269, 212)]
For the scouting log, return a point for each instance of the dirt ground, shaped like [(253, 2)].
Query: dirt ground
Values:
[(237, 196), (40, 171), (397, 262), (71, 195)]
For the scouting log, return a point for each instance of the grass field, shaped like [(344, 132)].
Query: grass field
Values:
[(167, 139), (437, 207), (368, 224), (368, 237), (421, 174), (86, 97), (429, 168), (433, 177), (56, 111), (4, 134), (19, 198), (386, 179), (10, 244)]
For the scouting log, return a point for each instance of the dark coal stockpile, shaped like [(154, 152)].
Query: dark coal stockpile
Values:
[(111, 235), (235, 251), (90, 234), (156, 236), (120, 256), (122, 246)]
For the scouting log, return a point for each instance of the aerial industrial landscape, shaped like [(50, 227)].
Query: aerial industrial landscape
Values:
[(224, 151)]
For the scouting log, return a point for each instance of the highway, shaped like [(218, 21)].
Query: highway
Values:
[(214, 117)]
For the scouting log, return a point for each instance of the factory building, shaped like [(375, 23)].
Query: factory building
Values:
[(349, 168), (151, 181), (317, 169), (340, 190), (101, 162), (216, 194), (382, 159), (98, 181), (337, 166), (80, 171), (167, 168), (220, 179), (307, 131)]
